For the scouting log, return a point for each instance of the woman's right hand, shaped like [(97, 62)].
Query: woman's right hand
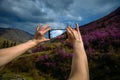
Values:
[(74, 35)]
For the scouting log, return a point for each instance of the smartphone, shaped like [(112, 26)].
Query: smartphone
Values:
[(57, 34)]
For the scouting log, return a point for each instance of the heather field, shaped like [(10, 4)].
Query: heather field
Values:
[(52, 60)]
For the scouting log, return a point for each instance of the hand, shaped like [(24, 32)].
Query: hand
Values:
[(74, 35), (39, 34)]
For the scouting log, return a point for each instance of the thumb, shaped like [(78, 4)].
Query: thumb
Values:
[(46, 39), (67, 40)]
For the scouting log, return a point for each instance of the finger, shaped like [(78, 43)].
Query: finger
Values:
[(78, 30), (71, 33), (72, 29), (67, 40), (38, 27), (46, 39), (46, 30), (45, 27), (68, 33), (77, 27), (69, 37)]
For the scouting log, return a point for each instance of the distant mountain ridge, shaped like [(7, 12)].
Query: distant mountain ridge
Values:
[(15, 35)]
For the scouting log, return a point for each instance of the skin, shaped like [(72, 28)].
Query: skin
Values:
[(8, 54), (79, 67)]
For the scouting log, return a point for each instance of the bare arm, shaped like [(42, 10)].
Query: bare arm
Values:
[(8, 54), (79, 67)]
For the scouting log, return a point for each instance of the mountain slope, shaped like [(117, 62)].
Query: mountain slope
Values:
[(15, 35), (101, 34), (112, 19)]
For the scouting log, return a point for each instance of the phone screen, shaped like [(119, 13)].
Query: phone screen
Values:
[(57, 33)]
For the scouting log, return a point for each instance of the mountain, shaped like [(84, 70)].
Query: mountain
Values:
[(102, 34), (15, 35), (112, 19)]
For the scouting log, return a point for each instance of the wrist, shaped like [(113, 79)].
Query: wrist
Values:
[(78, 48), (33, 42), (78, 44)]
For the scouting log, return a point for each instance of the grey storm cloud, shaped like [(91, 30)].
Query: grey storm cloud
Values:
[(26, 14), (58, 5), (22, 10)]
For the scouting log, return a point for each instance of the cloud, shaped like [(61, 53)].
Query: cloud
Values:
[(57, 25), (71, 17), (58, 5), (26, 14), (23, 10), (4, 25), (55, 33)]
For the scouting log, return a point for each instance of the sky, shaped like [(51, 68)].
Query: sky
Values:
[(26, 14)]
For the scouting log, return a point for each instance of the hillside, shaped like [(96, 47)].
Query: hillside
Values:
[(15, 35), (52, 60), (101, 34), (112, 19)]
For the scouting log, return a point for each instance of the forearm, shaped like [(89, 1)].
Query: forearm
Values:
[(8, 54), (79, 68)]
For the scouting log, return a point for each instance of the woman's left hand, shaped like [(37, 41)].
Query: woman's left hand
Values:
[(40, 32)]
